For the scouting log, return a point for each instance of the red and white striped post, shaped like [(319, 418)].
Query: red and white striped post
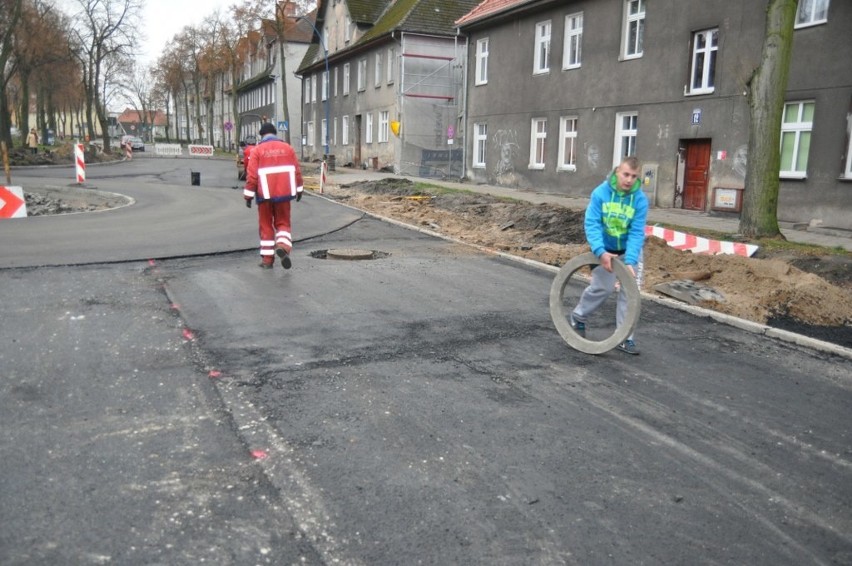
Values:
[(128, 151), (80, 159)]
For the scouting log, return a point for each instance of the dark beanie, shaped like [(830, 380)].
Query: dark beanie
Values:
[(267, 128)]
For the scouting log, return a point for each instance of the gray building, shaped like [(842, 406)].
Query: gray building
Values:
[(382, 88), (558, 91)]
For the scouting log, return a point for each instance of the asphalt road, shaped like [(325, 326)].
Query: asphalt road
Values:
[(169, 407)]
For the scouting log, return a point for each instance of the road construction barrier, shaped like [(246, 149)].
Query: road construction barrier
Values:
[(80, 160), (168, 149), (697, 245), (128, 151), (200, 150), (560, 316), (12, 202)]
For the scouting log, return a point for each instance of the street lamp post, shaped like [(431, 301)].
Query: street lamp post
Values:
[(325, 82)]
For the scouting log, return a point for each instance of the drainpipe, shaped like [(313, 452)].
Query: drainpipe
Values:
[(464, 101)]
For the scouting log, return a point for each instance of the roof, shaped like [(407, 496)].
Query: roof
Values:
[(131, 116), (431, 17), (488, 8)]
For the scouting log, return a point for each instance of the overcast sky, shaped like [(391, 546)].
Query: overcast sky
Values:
[(164, 18)]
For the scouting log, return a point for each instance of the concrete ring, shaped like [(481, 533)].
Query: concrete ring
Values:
[(560, 318)]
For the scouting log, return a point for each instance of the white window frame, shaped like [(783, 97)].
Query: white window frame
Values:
[(481, 77), (346, 79), (324, 88), (702, 67), (336, 82), (847, 171), (314, 89), (538, 143), (334, 130), (368, 129), (480, 145), (572, 49), (626, 136), (811, 13), (311, 134), (362, 74), (347, 29), (377, 79), (634, 19), (796, 129), (391, 63), (541, 58), (307, 90), (323, 132), (344, 131), (384, 123), (568, 126)]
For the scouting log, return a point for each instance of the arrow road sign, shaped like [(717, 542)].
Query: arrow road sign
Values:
[(12, 203)]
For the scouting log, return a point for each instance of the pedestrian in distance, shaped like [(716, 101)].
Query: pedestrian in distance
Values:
[(273, 180), (32, 141), (615, 228)]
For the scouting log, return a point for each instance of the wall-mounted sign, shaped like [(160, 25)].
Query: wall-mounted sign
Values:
[(696, 116)]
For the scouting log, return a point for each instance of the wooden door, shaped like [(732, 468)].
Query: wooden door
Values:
[(357, 134), (696, 174)]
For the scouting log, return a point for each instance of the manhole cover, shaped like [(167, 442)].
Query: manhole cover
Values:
[(348, 254)]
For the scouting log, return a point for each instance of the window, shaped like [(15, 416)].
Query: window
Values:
[(314, 89), (626, 130), (542, 48), (703, 65), (307, 89), (391, 63), (310, 134), (634, 28), (336, 81), (378, 75), (347, 29), (573, 48), (480, 139), (538, 138), (847, 171), (811, 13), (567, 144), (362, 74), (344, 133), (796, 138), (481, 77), (346, 79), (324, 132), (383, 126), (325, 85), (369, 130), (334, 130)]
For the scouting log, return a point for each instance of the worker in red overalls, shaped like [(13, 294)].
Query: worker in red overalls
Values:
[(273, 179)]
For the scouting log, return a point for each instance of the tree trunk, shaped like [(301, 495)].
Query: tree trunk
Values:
[(766, 92), (284, 102)]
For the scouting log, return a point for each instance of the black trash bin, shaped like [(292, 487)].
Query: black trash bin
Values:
[(195, 178), (331, 162)]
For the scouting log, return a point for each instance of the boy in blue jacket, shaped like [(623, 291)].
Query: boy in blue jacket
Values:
[(615, 227)]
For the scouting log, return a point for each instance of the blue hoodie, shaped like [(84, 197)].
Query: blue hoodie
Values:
[(615, 220)]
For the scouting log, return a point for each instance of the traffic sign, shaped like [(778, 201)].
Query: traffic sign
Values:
[(229, 125), (282, 125), (12, 202)]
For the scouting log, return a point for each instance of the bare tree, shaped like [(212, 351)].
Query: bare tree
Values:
[(766, 91), (10, 14), (236, 40), (104, 32)]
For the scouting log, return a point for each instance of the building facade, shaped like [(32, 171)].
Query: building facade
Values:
[(382, 86), (558, 92)]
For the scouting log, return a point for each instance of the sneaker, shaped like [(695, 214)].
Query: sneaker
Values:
[(264, 265), (285, 258), (629, 346), (579, 327)]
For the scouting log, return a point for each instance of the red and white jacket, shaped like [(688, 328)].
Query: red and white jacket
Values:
[(273, 172)]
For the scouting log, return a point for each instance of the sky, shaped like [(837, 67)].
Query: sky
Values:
[(162, 19)]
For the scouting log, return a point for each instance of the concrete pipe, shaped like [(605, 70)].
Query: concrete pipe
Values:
[(561, 316)]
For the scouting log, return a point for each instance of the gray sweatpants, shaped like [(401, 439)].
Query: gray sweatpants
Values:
[(601, 287)]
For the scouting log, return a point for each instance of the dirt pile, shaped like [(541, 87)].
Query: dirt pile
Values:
[(802, 292)]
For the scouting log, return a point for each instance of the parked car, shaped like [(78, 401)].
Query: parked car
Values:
[(241, 166), (136, 143)]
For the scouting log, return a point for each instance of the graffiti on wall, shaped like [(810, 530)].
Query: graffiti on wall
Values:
[(506, 143), (740, 160), (593, 157)]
